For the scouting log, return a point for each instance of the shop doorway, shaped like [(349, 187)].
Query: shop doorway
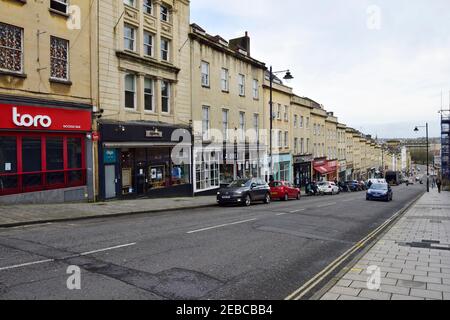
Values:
[(110, 181)]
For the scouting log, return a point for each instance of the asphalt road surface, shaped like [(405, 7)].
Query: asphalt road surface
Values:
[(261, 252)]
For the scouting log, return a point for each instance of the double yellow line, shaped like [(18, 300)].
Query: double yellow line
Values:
[(307, 287)]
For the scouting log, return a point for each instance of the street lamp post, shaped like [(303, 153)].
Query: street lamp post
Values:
[(428, 154), (287, 77)]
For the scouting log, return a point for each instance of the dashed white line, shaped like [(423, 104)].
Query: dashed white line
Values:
[(327, 205), (26, 264), (65, 258), (221, 226)]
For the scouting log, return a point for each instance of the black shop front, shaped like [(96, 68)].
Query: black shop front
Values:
[(144, 159)]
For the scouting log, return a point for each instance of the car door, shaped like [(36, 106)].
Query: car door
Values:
[(262, 189)]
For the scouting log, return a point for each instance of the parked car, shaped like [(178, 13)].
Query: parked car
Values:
[(244, 192), (326, 187), (353, 186), (380, 191), (283, 190)]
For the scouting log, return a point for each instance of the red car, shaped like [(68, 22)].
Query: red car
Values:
[(284, 191)]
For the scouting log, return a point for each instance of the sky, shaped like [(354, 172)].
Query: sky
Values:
[(381, 66)]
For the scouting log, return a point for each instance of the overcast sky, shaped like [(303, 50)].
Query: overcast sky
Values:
[(379, 65)]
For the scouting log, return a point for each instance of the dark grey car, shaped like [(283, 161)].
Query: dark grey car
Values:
[(244, 192)]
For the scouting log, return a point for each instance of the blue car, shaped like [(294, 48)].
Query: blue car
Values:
[(380, 191)]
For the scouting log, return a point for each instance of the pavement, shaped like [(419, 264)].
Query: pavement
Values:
[(17, 215), (412, 258), (264, 252)]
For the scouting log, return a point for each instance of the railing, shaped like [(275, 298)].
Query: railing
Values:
[(15, 183)]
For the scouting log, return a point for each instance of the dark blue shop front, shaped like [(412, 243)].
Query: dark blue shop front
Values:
[(139, 159)]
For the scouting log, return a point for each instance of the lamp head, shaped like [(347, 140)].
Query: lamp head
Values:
[(416, 129), (288, 76)]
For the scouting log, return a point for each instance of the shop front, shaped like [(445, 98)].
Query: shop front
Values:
[(43, 153), (218, 166), (349, 172), (325, 170), (302, 170), (342, 170), (144, 159), (282, 167)]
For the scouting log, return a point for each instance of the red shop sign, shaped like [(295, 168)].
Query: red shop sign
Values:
[(40, 118)]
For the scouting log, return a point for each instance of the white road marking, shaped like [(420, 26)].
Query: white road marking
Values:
[(107, 249), (65, 258), (327, 205), (221, 226), (26, 264)]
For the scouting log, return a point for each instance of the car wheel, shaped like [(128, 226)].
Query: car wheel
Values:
[(267, 199), (286, 197), (248, 201)]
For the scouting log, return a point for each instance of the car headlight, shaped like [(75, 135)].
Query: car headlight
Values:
[(218, 193)]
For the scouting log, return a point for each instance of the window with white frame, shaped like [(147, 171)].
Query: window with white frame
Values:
[(255, 89), (165, 13), (301, 121), (59, 58), (225, 116), (129, 37), (165, 49), (295, 120), (242, 125), (279, 112), (307, 145), (148, 44), (149, 96), (295, 145), (307, 122), (11, 48), (205, 74), (302, 145), (241, 85), (286, 113), (286, 139), (59, 5), (165, 96), (205, 123), (147, 6), (130, 91), (224, 76)]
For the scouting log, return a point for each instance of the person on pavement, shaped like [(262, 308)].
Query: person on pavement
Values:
[(439, 184)]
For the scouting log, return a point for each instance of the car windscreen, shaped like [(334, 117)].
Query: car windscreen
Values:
[(240, 184), (379, 187)]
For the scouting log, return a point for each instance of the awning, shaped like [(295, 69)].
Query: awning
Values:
[(325, 169), (322, 169)]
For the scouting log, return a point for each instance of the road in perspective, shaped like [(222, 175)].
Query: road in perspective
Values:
[(262, 252)]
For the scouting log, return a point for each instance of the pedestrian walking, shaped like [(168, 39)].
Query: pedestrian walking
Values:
[(439, 184)]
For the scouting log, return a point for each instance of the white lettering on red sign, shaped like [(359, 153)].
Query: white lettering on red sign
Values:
[(28, 121)]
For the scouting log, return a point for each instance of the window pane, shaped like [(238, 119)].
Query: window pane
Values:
[(31, 161), (55, 160), (165, 96), (10, 48), (59, 56), (74, 153), (8, 162), (148, 94)]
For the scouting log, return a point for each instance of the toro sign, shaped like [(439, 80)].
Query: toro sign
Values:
[(27, 120), (44, 118)]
